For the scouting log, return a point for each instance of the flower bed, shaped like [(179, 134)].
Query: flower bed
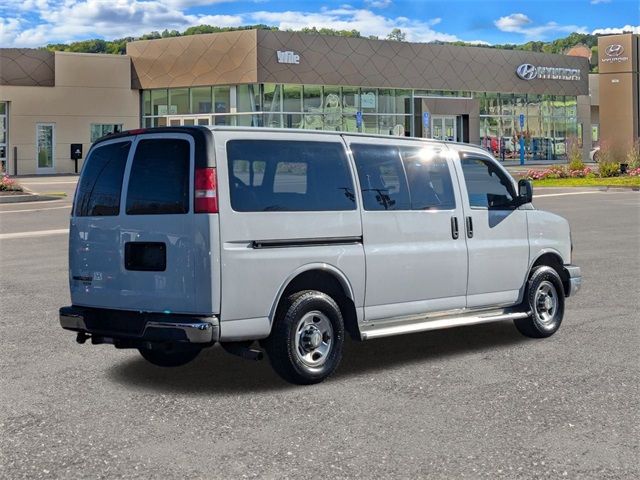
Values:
[(558, 171), (8, 184)]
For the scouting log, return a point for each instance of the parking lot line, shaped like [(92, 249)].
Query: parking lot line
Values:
[(35, 209), (566, 193), (37, 233)]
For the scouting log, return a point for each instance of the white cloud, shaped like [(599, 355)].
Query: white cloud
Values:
[(348, 18), (521, 23), (70, 20), (378, 3), (53, 21), (596, 2), (513, 23), (614, 30)]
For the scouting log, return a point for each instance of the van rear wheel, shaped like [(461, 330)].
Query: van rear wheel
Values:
[(169, 358), (305, 345), (544, 298)]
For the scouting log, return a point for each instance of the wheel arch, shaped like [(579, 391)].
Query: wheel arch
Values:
[(327, 279), (553, 259)]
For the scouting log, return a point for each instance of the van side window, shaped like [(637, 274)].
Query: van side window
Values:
[(487, 185), (101, 182), (289, 176), (159, 178), (382, 178), (429, 179)]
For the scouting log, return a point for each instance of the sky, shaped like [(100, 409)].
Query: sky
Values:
[(34, 23)]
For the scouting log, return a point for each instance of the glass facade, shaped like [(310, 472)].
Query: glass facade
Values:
[(549, 120)]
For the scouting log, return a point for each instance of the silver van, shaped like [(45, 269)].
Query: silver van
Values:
[(287, 241)]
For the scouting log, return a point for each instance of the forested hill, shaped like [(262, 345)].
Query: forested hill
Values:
[(118, 46)]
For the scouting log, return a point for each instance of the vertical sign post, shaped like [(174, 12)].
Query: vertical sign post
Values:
[(522, 139), (425, 124), (359, 121)]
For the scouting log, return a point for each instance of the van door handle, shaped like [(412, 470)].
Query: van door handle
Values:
[(454, 228), (469, 227)]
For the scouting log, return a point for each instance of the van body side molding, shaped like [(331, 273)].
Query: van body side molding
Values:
[(306, 242)]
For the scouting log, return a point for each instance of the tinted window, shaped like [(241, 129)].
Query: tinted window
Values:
[(271, 175), (159, 179), (487, 185), (430, 185), (101, 181), (382, 178)]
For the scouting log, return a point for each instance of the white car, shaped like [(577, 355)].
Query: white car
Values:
[(184, 237), (594, 154)]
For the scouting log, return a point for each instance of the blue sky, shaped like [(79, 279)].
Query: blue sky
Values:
[(32, 23)]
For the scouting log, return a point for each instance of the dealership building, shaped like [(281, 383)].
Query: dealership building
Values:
[(55, 104)]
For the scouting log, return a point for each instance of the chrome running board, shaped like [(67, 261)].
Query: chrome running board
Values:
[(424, 323)]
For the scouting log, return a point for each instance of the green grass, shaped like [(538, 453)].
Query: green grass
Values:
[(589, 182)]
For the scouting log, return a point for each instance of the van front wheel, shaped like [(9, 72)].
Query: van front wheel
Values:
[(305, 345), (163, 358), (544, 299)]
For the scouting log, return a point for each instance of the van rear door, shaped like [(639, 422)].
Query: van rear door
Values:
[(135, 242)]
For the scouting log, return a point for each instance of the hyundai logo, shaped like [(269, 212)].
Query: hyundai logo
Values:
[(526, 71), (614, 50)]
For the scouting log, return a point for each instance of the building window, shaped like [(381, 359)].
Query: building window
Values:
[(45, 145), (99, 130)]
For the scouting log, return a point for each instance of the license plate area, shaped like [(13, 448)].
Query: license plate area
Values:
[(145, 256)]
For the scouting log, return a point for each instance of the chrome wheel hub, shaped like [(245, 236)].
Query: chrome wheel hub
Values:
[(546, 304), (313, 339)]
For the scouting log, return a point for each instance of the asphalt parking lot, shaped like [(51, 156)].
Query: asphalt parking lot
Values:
[(473, 402)]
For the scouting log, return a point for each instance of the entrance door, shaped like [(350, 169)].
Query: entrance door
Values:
[(444, 128), (45, 147)]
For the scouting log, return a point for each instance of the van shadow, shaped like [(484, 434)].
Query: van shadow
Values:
[(216, 371)]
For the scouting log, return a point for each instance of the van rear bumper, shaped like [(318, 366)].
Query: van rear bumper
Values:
[(127, 328)]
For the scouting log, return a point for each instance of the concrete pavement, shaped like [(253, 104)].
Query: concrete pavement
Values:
[(474, 402)]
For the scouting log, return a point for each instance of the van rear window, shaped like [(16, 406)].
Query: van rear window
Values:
[(101, 181), (159, 178), (289, 176)]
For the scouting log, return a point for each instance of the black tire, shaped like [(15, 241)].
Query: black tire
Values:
[(596, 157), (172, 358), (544, 298), (308, 322)]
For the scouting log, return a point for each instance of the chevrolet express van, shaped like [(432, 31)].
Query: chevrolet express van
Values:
[(287, 241)]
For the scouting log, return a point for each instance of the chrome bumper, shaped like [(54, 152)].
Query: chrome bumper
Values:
[(575, 279), (153, 329)]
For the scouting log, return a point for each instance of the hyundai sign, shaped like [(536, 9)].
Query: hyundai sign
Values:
[(527, 71)]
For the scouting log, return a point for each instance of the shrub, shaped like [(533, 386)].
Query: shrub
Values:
[(633, 155), (8, 184), (609, 169), (634, 172), (574, 155)]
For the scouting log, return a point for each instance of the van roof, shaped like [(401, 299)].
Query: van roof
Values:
[(201, 128)]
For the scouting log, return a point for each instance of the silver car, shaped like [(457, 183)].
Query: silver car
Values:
[(287, 241)]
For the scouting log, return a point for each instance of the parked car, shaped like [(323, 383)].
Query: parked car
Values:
[(287, 241), (594, 154)]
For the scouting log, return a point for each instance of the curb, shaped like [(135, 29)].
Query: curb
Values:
[(26, 198)]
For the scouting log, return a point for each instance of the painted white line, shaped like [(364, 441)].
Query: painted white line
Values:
[(38, 233), (35, 209), (47, 183), (33, 203), (568, 193)]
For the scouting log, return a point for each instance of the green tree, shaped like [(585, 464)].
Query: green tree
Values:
[(397, 35)]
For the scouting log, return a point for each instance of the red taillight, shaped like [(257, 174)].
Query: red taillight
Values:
[(206, 191)]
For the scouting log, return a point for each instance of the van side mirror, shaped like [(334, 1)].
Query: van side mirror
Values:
[(525, 191)]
